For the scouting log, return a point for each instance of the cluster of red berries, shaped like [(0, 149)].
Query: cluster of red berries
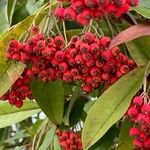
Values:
[(84, 10), (139, 113), (19, 91), (86, 61), (69, 140)]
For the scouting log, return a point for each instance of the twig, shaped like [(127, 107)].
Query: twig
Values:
[(109, 25), (132, 18), (57, 28), (49, 14), (65, 35)]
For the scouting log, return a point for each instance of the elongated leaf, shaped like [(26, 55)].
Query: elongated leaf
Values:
[(50, 97), (4, 23), (143, 8), (7, 78), (10, 72), (72, 101), (110, 107), (49, 137), (125, 140), (33, 5), (139, 50), (130, 34), (56, 143), (10, 9), (107, 140), (10, 115)]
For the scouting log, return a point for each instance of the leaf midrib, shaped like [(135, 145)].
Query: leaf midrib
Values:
[(114, 111)]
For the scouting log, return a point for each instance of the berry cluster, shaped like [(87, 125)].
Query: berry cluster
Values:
[(86, 61), (84, 10), (19, 91), (139, 112), (69, 140)]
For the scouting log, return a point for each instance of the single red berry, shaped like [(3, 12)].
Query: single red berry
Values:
[(133, 2), (79, 59), (119, 3), (142, 136), (87, 14), (132, 112), (84, 48), (138, 101), (78, 6), (124, 69), (59, 40), (35, 30), (69, 14), (88, 37), (59, 13), (87, 88), (147, 144), (137, 143), (81, 20), (74, 72), (90, 3), (102, 2), (111, 9), (94, 48), (106, 76), (134, 132), (105, 41), (143, 119), (146, 108), (60, 56), (95, 71), (41, 44), (63, 67), (18, 103)]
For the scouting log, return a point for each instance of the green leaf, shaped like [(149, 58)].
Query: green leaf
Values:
[(56, 143), (125, 140), (111, 106), (33, 5), (72, 101), (10, 115), (107, 140), (20, 9), (10, 72), (145, 3), (143, 8), (139, 50), (11, 4), (49, 137), (4, 23), (50, 97), (77, 110), (8, 77)]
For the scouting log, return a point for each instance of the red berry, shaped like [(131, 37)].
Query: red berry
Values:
[(90, 3), (59, 13), (78, 6), (138, 101), (88, 37), (124, 69), (147, 144), (137, 143), (35, 30), (87, 88), (134, 132), (132, 112), (133, 2), (18, 103), (69, 14)]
